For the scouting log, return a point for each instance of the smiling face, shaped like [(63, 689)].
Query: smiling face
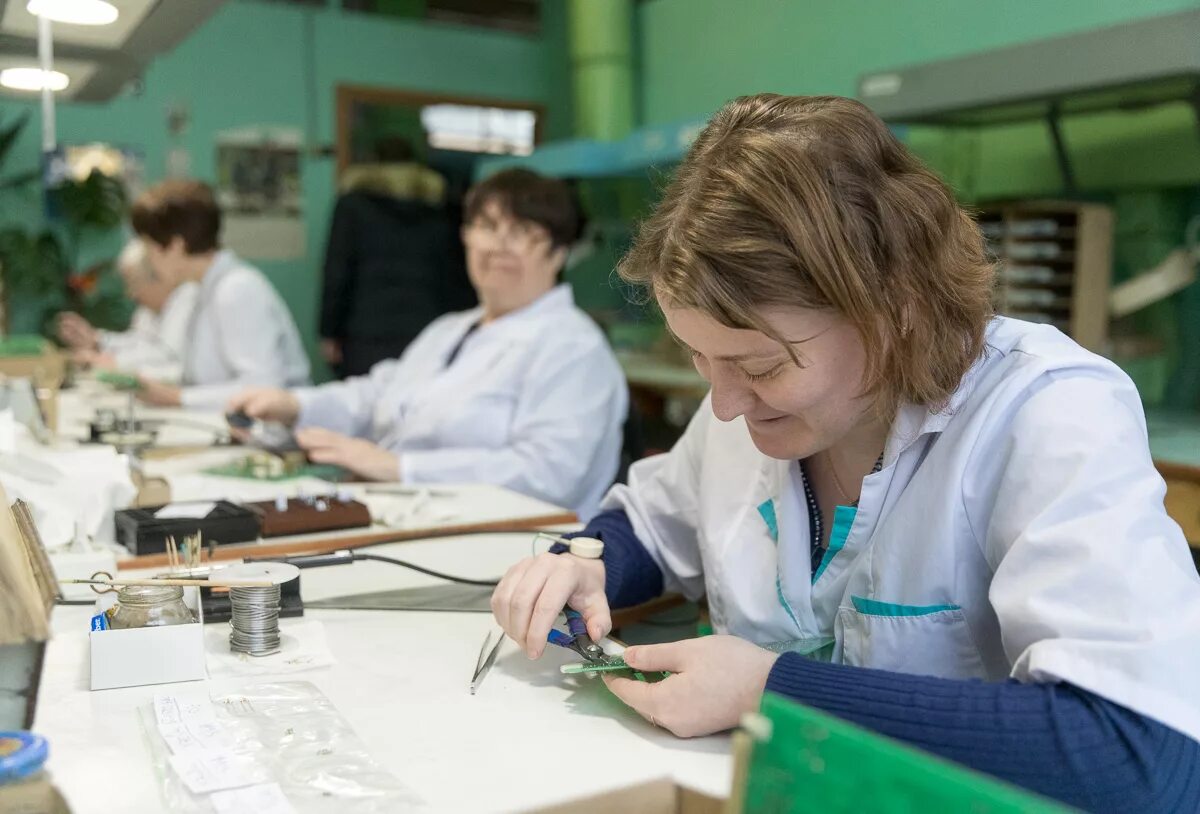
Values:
[(792, 411), (511, 262)]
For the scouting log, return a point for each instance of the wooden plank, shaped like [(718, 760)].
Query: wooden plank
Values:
[(1178, 471), (1093, 276), (337, 542), (1183, 497), (1183, 505), (1175, 273)]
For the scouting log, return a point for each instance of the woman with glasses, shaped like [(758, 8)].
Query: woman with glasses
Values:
[(522, 391)]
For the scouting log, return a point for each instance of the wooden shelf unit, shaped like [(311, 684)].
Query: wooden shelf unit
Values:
[(1054, 264)]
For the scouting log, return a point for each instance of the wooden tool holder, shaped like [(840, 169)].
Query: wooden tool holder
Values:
[(309, 515), (1054, 265)]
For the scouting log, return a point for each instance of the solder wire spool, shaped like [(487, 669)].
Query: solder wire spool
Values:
[(254, 620)]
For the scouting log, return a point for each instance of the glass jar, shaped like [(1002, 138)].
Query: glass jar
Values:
[(149, 606)]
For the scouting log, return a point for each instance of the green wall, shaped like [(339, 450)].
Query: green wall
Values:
[(247, 66), (697, 54)]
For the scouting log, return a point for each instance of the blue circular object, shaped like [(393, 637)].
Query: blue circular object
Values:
[(21, 755)]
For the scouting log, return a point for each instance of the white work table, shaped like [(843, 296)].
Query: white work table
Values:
[(530, 737)]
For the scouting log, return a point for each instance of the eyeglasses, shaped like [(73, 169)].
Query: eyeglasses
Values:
[(517, 235)]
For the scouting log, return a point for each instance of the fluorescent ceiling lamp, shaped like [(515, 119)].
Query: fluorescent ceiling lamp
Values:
[(33, 79), (76, 12)]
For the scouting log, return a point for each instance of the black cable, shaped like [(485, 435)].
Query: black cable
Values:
[(437, 534), (489, 583)]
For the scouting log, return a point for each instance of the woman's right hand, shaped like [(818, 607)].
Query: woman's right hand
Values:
[(266, 404), (76, 332), (533, 593)]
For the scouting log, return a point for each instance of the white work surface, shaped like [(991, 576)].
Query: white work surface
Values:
[(439, 506), (530, 737), (78, 406)]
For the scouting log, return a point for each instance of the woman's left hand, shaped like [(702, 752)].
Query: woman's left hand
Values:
[(158, 394), (360, 457), (713, 681)]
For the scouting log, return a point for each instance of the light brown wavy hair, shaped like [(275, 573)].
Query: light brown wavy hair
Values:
[(810, 201)]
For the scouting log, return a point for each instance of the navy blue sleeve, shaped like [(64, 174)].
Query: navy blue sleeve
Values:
[(1054, 739), (631, 576)]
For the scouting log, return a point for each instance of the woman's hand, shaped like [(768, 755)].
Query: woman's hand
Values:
[(714, 680), (76, 332), (158, 394), (93, 359), (534, 592), (266, 404), (354, 454)]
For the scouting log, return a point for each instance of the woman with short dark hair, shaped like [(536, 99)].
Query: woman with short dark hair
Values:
[(522, 392)]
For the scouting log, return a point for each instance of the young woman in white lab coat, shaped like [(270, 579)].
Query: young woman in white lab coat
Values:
[(241, 333), (522, 392), (933, 522)]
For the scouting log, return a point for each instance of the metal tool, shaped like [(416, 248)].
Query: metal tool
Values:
[(578, 638), (487, 657)]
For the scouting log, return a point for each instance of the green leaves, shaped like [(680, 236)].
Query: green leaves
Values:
[(8, 137), (97, 201), (32, 263)]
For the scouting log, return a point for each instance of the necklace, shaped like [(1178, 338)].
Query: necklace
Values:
[(837, 482)]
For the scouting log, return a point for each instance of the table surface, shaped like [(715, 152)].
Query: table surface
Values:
[(530, 737), (191, 433)]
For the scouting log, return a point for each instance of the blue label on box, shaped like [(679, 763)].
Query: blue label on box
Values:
[(100, 622)]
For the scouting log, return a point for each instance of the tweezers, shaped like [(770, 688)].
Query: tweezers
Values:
[(486, 659)]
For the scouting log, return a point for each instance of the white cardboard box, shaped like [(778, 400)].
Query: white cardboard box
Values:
[(149, 655)]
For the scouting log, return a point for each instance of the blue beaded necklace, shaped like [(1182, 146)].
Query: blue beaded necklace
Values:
[(816, 523)]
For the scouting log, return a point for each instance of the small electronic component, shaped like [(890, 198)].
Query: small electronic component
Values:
[(239, 420), (118, 380), (270, 466)]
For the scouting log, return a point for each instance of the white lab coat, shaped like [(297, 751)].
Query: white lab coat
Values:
[(242, 335), (535, 402), (1020, 533), (155, 344)]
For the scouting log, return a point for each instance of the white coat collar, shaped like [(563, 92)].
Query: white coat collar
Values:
[(556, 300), (914, 421), (223, 261)]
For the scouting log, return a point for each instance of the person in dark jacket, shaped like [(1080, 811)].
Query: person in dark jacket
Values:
[(393, 264)]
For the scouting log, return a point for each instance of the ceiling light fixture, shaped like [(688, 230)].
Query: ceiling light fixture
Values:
[(75, 12), (33, 79)]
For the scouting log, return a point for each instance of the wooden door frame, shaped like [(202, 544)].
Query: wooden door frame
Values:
[(350, 95)]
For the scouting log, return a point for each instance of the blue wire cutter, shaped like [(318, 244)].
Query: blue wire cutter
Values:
[(595, 660), (577, 639)]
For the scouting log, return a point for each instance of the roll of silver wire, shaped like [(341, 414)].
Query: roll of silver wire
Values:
[(254, 622), (254, 617)]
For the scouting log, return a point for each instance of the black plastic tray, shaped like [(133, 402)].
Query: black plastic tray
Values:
[(143, 533)]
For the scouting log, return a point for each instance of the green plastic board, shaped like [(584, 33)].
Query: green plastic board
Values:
[(22, 345), (327, 472), (813, 762), (121, 381), (612, 664)]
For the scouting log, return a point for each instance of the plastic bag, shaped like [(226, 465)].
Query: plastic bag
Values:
[(290, 734)]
